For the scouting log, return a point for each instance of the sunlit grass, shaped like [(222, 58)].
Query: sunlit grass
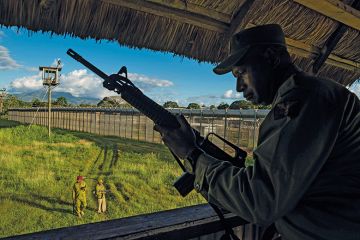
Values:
[(37, 175)]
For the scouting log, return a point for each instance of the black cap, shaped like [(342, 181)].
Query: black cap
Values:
[(241, 42)]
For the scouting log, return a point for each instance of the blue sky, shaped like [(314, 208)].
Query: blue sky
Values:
[(161, 76)]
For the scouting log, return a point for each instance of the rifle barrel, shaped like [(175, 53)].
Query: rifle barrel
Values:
[(80, 59)]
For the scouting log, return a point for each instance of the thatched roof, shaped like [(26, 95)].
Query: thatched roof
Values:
[(316, 31)]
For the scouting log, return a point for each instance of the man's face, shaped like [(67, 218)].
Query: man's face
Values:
[(254, 77)]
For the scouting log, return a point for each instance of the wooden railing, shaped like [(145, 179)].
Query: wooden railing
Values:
[(195, 222)]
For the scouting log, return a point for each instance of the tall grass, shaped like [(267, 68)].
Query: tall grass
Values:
[(37, 175)]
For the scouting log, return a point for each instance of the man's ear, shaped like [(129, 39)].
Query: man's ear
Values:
[(272, 57)]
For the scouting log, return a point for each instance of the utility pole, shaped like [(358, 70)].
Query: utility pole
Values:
[(50, 76), (2, 96)]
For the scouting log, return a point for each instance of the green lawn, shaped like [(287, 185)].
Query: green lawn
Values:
[(37, 175)]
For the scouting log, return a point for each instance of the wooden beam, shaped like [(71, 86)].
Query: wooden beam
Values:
[(237, 22), (194, 8), (308, 51), (169, 11), (336, 10), (331, 42), (329, 46)]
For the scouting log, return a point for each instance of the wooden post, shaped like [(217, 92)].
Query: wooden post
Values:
[(225, 127), (139, 126), (239, 132), (254, 130), (49, 111), (132, 123)]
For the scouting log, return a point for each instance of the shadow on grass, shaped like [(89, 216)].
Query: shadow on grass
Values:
[(96, 161), (123, 144), (31, 203), (115, 156), (8, 124), (67, 207), (57, 201)]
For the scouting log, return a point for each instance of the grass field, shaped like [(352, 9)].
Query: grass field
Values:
[(37, 175)]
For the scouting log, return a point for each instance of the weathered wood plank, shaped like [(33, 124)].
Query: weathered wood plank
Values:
[(194, 8), (237, 23), (331, 42), (336, 10), (173, 13), (309, 51), (183, 223)]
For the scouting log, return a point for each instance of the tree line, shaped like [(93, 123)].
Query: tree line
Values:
[(12, 101), (239, 104)]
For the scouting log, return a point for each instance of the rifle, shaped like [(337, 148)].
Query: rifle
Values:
[(160, 116), (106, 191)]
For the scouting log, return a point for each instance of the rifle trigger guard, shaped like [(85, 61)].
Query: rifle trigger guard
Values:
[(239, 153)]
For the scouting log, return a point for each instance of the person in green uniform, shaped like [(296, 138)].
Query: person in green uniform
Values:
[(305, 180), (100, 192), (79, 196)]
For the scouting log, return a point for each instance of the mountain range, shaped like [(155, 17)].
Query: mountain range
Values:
[(29, 96)]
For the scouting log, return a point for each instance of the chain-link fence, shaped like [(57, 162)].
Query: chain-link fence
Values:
[(237, 126)]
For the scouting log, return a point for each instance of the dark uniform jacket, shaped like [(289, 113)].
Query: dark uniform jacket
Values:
[(306, 174)]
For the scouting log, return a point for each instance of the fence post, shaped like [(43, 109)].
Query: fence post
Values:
[(101, 118), (91, 116), (201, 119), (126, 123), (145, 128), (132, 123), (108, 132), (254, 130), (114, 118), (153, 133), (73, 123), (139, 128), (83, 122), (95, 120), (225, 126), (104, 120), (119, 122), (239, 132), (68, 119), (107, 125)]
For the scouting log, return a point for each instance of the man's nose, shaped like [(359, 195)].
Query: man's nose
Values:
[(240, 85)]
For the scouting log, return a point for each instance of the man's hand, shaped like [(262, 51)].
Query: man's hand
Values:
[(181, 141)]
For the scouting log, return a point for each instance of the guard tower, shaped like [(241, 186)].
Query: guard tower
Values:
[(50, 77)]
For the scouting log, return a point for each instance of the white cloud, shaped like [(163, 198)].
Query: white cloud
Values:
[(355, 87), (81, 83), (230, 94), (6, 62), (26, 84), (146, 83), (31, 69)]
